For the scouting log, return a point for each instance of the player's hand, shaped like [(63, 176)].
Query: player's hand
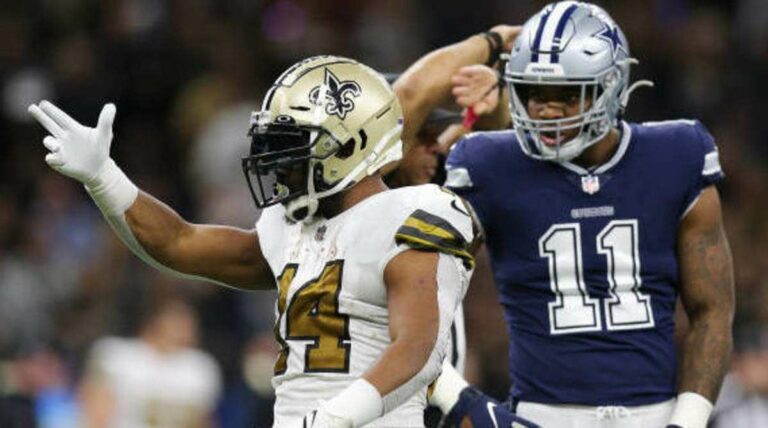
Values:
[(75, 150), (322, 419), (476, 86), (497, 416), (508, 34), (475, 409)]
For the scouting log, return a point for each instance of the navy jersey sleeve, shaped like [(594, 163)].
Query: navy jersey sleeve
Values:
[(459, 164), (463, 175), (708, 171)]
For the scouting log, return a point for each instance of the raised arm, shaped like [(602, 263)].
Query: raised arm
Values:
[(152, 230), (224, 254), (427, 83), (706, 290)]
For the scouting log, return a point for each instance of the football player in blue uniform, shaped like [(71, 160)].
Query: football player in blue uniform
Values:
[(595, 226)]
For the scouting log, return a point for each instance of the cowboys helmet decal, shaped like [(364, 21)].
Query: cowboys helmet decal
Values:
[(338, 95), (610, 34)]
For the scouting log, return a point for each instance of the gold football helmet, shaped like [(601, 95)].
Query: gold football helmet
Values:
[(329, 120)]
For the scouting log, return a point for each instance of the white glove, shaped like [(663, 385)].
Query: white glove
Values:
[(75, 150), (82, 153), (320, 418)]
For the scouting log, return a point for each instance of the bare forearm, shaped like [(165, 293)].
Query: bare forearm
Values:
[(427, 83), (156, 227), (226, 255), (414, 322), (97, 405), (708, 297), (707, 355), (402, 360)]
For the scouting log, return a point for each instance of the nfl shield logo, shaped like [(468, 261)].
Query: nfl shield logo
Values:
[(590, 184)]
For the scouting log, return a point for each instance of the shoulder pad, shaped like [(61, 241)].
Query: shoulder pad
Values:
[(439, 223)]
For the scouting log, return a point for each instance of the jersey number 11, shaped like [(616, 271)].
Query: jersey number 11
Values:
[(573, 310)]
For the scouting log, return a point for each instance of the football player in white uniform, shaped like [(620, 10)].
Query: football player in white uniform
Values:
[(157, 379), (368, 278)]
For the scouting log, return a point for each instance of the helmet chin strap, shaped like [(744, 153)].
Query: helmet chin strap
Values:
[(305, 206)]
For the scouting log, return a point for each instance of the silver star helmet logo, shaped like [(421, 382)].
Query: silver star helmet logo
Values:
[(337, 96)]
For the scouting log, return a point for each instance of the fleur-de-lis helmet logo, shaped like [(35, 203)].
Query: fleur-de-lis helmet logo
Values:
[(338, 95)]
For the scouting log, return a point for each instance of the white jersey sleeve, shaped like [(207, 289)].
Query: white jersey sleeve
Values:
[(438, 221)]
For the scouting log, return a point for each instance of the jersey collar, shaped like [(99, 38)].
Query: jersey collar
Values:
[(626, 136)]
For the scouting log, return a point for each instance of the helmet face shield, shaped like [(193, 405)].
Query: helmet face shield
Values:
[(557, 138), (278, 168)]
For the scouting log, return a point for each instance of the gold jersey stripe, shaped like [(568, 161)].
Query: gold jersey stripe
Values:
[(425, 231), (427, 228), (432, 224), (428, 244)]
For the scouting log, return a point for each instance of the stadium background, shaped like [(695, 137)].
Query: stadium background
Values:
[(185, 75)]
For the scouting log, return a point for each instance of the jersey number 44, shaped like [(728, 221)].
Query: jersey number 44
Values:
[(313, 315)]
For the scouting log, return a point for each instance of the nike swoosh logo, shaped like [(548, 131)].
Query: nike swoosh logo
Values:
[(307, 422), (456, 207), (490, 407)]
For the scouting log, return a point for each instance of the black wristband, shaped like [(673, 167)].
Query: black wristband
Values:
[(495, 46)]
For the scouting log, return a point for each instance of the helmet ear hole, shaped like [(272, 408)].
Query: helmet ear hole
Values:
[(346, 150)]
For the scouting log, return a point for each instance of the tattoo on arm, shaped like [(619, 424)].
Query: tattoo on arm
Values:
[(707, 294)]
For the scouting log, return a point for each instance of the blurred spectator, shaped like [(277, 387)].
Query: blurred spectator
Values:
[(35, 391), (743, 400), (157, 379), (215, 155), (258, 365)]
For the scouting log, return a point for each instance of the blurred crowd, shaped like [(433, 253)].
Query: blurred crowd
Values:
[(185, 76)]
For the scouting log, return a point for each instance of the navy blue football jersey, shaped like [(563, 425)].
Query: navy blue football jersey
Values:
[(584, 260)]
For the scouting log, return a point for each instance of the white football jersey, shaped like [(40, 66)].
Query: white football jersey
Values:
[(155, 389), (331, 314)]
